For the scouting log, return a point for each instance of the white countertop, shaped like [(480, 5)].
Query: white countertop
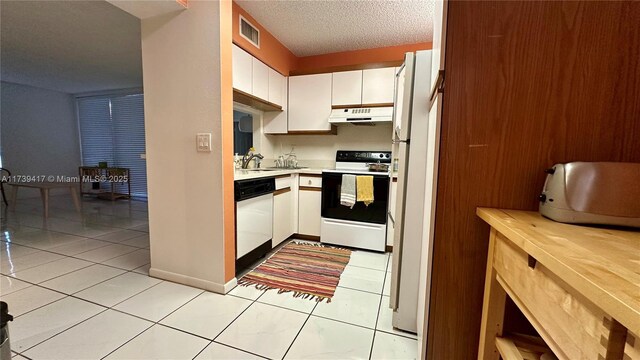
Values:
[(253, 174)]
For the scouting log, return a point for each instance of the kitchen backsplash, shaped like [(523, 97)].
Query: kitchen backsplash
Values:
[(307, 163), (320, 150)]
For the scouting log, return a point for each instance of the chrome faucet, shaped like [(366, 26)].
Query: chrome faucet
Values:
[(248, 157)]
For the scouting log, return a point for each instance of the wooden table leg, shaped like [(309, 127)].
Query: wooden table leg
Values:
[(76, 200), (492, 308), (45, 201)]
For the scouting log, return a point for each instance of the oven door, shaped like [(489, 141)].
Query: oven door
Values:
[(375, 213)]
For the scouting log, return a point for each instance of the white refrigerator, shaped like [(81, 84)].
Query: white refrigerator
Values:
[(415, 145)]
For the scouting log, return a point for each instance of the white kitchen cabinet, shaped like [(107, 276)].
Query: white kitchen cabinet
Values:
[(283, 181), (242, 70), (392, 211), (260, 79), (310, 181), (276, 84), (282, 216), (310, 102), (295, 201), (276, 122), (378, 85), (309, 212), (347, 88)]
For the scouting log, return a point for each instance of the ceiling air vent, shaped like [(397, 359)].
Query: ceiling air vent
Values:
[(249, 32)]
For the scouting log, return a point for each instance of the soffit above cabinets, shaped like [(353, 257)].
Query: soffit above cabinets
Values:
[(320, 27)]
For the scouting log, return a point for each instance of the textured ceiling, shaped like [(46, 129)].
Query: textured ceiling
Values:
[(323, 26), (70, 46)]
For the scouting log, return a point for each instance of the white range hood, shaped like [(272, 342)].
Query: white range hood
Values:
[(361, 115)]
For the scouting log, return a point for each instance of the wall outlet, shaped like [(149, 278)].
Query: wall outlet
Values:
[(203, 142)]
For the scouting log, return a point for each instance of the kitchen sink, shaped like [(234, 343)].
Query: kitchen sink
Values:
[(259, 170)]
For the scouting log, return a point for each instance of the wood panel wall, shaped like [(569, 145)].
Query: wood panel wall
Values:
[(528, 85)]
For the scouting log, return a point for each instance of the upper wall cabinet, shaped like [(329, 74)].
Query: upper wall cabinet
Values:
[(347, 88), (309, 102), (242, 64), (260, 79), (363, 87), (275, 122), (259, 85), (378, 85), (276, 84)]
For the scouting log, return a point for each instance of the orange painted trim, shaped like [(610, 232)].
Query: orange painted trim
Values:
[(226, 117), (271, 51), (357, 57)]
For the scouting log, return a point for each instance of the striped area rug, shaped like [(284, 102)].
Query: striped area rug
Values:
[(310, 271)]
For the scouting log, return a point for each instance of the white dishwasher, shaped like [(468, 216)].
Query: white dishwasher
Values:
[(254, 220)]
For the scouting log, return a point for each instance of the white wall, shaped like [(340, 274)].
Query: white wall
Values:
[(181, 67), (39, 132)]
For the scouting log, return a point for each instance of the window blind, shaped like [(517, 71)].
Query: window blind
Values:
[(112, 130), (96, 133)]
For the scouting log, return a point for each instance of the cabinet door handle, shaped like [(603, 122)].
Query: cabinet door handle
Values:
[(309, 182), (393, 222)]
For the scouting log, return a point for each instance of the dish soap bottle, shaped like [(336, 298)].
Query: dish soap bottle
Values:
[(237, 161)]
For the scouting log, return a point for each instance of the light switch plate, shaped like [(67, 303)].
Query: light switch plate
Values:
[(203, 142)]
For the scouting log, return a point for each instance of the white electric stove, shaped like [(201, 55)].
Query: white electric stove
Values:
[(362, 226)]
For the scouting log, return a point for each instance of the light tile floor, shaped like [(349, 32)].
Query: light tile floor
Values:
[(79, 288)]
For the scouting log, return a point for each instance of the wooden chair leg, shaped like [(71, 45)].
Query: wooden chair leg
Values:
[(4, 197)]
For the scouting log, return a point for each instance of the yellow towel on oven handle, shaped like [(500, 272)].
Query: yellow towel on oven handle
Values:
[(364, 186)]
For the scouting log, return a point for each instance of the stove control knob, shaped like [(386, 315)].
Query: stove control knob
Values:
[(387, 156), (381, 156)]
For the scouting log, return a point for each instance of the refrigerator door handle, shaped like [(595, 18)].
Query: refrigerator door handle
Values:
[(438, 88), (400, 69), (393, 222)]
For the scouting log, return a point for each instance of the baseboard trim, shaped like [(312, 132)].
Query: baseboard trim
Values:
[(305, 237), (388, 248), (195, 282), (230, 285)]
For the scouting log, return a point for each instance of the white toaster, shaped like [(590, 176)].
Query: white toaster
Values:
[(606, 193)]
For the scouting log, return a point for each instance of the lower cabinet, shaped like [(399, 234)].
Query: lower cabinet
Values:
[(296, 206), (309, 202), (283, 216)]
